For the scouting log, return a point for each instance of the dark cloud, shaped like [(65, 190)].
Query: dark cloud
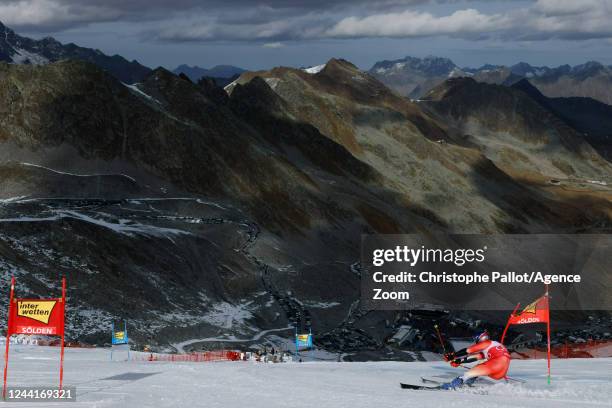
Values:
[(64, 14), (284, 20)]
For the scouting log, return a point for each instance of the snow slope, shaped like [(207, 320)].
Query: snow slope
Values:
[(576, 383), (315, 70)]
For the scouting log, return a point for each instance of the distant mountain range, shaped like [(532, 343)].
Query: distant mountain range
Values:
[(414, 77), (195, 73), (409, 76), (22, 50)]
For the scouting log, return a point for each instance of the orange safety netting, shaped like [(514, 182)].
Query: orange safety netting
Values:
[(588, 349), (205, 356)]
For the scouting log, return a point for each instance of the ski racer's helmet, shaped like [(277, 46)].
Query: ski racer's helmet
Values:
[(484, 336)]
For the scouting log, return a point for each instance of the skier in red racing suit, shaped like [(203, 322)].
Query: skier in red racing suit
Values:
[(496, 364)]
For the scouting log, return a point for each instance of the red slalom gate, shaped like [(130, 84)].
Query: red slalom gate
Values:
[(536, 312), (200, 357), (35, 316)]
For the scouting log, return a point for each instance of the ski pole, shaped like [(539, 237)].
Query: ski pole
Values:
[(444, 348), (440, 338)]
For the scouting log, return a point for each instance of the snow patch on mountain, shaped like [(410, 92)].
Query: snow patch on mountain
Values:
[(22, 56), (134, 88), (121, 226), (458, 72), (11, 199), (230, 87), (320, 305), (228, 315), (315, 70), (272, 82), (84, 320)]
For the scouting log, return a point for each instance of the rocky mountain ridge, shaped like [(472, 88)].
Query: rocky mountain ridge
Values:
[(22, 50)]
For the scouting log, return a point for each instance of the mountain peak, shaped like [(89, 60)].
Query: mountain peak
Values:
[(161, 71), (449, 87), (588, 66), (527, 87), (341, 63), (255, 96), (430, 65), (525, 69), (522, 64)]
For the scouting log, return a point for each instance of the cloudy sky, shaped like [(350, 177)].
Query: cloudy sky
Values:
[(259, 34)]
